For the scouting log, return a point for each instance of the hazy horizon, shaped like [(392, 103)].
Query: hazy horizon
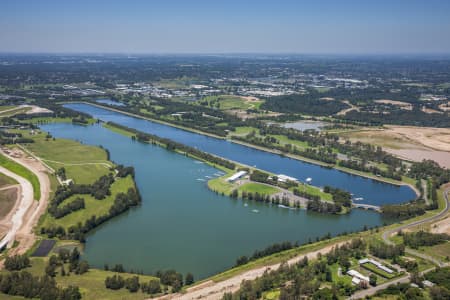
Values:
[(284, 27)]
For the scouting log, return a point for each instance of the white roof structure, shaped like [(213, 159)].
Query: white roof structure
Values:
[(377, 264), (358, 275), (284, 178), (236, 176)]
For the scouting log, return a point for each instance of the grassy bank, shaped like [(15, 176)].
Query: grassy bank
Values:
[(23, 172), (83, 163)]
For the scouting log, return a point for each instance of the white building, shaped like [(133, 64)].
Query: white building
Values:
[(285, 178), (377, 264), (236, 176), (357, 277)]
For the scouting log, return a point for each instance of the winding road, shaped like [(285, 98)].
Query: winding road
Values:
[(25, 201), (390, 232)]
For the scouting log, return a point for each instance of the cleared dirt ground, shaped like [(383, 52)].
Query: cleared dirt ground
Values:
[(409, 142)]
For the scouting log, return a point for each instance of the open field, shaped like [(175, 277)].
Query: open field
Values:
[(258, 188), (83, 163), (8, 199), (229, 102), (5, 180), (6, 107), (92, 283), (402, 105), (411, 143)]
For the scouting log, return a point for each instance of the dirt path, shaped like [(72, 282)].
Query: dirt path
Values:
[(215, 290), (24, 234), (346, 110), (25, 200)]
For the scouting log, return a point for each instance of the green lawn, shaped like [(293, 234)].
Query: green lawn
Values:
[(63, 150), (227, 102), (92, 283), (372, 268), (93, 206), (258, 188), (83, 163), (243, 130), (23, 172), (6, 107)]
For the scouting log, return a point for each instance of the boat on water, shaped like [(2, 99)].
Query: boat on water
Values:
[(255, 211)]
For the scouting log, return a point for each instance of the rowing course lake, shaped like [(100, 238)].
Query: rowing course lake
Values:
[(371, 191), (181, 224)]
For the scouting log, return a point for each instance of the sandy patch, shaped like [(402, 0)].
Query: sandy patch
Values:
[(435, 138), (36, 110), (346, 110), (408, 142), (443, 226), (250, 98), (430, 110), (445, 106), (401, 104)]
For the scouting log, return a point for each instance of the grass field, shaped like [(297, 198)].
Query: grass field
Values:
[(312, 190), (6, 107), (372, 268), (92, 283), (5, 180), (228, 102), (92, 206), (441, 251), (7, 199), (258, 188), (83, 163), (23, 172)]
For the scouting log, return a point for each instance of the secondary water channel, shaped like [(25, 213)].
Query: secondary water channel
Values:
[(183, 225)]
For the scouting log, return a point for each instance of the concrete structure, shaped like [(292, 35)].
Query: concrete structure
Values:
[(377, 264), (357, 277), (236, 176)]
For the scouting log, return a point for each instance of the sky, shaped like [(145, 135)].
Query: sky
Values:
[(231, 26)]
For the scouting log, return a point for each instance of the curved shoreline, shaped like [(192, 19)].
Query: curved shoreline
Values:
[(299, 158)]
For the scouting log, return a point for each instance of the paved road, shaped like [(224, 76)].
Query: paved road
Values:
[(363, 293), (390, 232)]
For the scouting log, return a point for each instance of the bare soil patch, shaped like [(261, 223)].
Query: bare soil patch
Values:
[(409, 142), (401, 104), (435, 138), (445, 106), (346, 110), (8, 198), (430, 110)]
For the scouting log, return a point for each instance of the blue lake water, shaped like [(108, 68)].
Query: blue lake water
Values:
[(371, 191), (181, 224)]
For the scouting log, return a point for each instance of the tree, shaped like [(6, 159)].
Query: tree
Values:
[(189, 279), (132, 284), (373, 280)]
